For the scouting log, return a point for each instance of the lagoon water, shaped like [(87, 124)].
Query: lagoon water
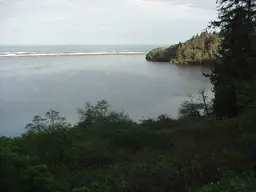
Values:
[(31, 85)]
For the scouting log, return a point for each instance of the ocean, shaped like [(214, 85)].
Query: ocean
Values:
[(74, 50), (35, 79)]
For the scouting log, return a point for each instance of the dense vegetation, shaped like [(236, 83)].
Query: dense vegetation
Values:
[(233, 77), (200, 49), (211, 147), (162, 54), (108, 152)]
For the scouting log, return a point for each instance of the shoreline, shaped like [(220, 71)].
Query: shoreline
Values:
[(70, 54)]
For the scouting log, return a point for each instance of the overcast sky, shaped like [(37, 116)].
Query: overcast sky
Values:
[(102, 21)]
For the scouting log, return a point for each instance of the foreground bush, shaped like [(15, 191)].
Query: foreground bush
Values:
[(108, 153)]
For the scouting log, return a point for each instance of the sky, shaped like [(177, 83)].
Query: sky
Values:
[(51, 22)]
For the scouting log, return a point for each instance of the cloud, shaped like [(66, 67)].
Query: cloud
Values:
[(101, 21), (190, 3), (59, 18)]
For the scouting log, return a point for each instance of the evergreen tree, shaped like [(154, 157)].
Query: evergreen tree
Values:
[(200, 49), (237, 26)]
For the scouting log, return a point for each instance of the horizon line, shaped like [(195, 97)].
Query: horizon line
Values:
[(83, 44)]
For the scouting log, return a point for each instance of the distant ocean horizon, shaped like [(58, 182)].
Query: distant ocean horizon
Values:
[(73, 50)]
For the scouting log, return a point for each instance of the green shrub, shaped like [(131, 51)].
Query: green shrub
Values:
[(83, 189), (232, 182)]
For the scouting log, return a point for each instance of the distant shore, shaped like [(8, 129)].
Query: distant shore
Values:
[(33, 54)]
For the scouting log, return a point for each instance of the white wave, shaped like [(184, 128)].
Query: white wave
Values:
[(4, 52), (24, 52), (35, 54), (11, 54)]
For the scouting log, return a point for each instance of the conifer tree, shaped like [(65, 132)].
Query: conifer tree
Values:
[(237, 26)]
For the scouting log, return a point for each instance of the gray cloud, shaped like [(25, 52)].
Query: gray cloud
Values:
[(101, 21), (191, 3)]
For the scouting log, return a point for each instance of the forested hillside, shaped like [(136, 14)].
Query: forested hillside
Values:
[(200, 49)]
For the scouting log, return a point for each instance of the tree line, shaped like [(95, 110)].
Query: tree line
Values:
[(201, 49)]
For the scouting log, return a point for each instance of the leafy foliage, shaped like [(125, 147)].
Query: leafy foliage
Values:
[(100, 112), (163, 121), (233, 182), (200, 49), (237, 56), (161, 154), (158, 54), (51, 122), (196, 109)]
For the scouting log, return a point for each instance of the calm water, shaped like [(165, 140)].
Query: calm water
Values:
[(33, 85)]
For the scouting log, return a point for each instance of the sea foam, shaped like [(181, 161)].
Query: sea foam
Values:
[(39, 54)]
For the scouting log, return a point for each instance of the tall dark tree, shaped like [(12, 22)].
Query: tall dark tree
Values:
[(237, 26)]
